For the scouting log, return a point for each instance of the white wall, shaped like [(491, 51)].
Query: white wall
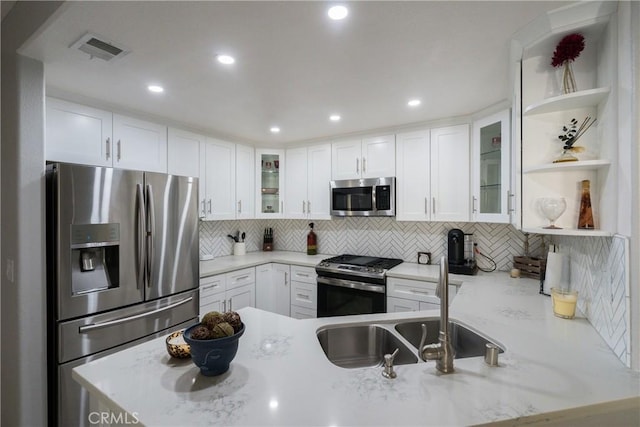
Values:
[(23, 324)]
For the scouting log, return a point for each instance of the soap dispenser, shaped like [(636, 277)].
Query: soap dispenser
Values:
[(312, 241)]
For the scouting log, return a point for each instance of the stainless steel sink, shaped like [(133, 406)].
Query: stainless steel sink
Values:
[(465, 342), (359, 346)]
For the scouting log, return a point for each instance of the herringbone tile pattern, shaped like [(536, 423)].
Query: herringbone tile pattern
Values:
[(371, 236), (598, 264), (599, 274)]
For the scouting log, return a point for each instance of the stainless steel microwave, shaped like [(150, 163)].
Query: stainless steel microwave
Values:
[(364, 197)]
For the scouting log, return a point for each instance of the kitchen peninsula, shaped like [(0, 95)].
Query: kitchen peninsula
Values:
[(552, 370)]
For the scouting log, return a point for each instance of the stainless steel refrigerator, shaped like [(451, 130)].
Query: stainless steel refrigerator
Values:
[(122, 268)]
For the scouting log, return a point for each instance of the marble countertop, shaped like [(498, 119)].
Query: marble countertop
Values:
[(551, 368), (251, 259)]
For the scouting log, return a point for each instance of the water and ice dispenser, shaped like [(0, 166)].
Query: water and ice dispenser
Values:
[(95, 257)]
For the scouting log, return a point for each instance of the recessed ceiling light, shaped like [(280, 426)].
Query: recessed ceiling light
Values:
[(414, 103), (274, 129), (155, 88), (225, 59), (338, 12), (334, 118)]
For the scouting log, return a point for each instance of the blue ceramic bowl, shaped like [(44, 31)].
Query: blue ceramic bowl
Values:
[(213, 356)]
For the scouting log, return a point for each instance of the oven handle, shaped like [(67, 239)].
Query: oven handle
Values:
[(361, 286)]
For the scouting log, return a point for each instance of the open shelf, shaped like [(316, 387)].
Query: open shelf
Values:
[(567, 232), (568, 166), (580, 99)]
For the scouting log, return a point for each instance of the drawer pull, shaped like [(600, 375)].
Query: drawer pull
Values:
[(302, 296)]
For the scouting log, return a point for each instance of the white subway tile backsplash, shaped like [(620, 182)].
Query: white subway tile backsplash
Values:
[(598, 264)]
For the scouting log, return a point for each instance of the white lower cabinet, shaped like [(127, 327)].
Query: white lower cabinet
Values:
[(413, 295), (287, 290), (273, 288), (227, 292), (304, 292)]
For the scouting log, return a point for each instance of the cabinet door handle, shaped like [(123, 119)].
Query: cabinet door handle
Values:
[(231, 304), (119, 155), (302, 296), (433, 205), (239, 206), (209, 205), (510, 207), (224, 306), (237, 279), (473, 204), (204, 207), (364, 164), (308, 206), (108, 151), (357, 165), (303, 207), (281, 206), (426, 205), (286, 277)]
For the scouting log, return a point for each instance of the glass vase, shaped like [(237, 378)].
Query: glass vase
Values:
[(568, 80), (585, 217)]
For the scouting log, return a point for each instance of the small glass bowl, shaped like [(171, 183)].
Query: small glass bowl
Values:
[(177, 347)]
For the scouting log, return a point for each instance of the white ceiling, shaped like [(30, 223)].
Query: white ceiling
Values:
[(294, 67)]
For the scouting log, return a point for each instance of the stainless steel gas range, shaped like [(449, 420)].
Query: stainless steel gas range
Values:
[(353, 284)]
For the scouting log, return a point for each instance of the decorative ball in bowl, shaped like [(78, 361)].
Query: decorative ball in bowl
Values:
[(214, 341)]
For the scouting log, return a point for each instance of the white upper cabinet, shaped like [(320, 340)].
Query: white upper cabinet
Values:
[(364, 158), (85, 135), (433, 175), (78, 134), (307, 180), (492, 195), (139, 144), (413, 183), (450, 165), (183, 152), (543, 109), (218, 181), (245, 182), (270, 166)]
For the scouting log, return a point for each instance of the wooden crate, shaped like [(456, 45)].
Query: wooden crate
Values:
[(530, 266)]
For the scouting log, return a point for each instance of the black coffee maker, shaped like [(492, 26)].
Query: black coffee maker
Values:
[(461, 261)]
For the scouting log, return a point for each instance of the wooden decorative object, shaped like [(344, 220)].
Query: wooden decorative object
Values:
[(530, 266)]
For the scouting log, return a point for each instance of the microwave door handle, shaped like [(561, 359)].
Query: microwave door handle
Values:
[(151, 225), (140, 232)]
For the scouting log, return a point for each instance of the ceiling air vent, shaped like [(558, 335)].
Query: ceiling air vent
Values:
[(99, 47)]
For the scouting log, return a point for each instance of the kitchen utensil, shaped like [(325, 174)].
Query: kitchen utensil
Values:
[(235, 239), (243, 235)]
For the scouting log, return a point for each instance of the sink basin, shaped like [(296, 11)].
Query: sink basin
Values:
[(361, 346), (465, 342)]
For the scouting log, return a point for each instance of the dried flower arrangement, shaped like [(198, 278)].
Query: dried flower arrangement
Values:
[(567, 51), (573, 132)]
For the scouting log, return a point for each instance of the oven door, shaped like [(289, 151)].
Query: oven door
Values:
[(340, 297)]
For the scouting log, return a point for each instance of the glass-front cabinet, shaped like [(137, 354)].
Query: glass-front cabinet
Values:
[(492, 197), (269, 183)]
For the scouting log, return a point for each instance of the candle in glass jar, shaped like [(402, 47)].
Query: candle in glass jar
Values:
[(564, 303)]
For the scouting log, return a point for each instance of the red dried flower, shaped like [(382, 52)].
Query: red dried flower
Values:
[(568, 49)]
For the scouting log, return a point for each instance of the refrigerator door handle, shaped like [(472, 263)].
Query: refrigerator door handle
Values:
[(140, 235), (151, 227), (93, 326)]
